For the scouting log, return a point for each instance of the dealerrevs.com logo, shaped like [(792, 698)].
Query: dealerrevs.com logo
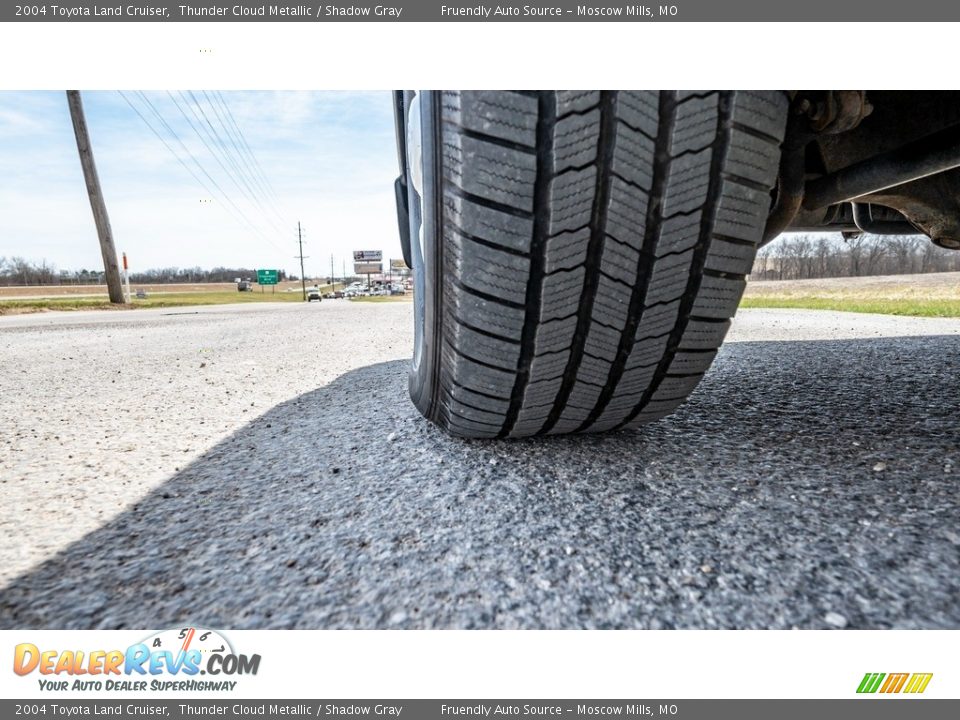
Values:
[(889, 683), (170, 660)]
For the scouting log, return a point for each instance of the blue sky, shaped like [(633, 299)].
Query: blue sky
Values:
[(329, 156)]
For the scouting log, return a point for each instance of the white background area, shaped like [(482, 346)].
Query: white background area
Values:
[(505, 664), (455, 664)]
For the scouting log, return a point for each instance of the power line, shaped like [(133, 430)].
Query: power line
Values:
[(226, 152), (176, 137), (248, 192), (243, 140), (215, 134), (240, 154), (205, 142), (245, 220)]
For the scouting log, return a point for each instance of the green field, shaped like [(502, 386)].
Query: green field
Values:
[(153, 300), (889, 306), (166, 299), (926, 295), (931, 295)]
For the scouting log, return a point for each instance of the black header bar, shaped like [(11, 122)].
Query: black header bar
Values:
[(465, 11)]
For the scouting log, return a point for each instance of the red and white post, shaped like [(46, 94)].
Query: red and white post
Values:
[(126, 277)]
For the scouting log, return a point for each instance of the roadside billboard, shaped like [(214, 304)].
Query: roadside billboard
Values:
[(367, 268), (368, 256)]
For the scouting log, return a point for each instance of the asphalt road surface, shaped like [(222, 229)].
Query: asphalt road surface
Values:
[(261, 466)]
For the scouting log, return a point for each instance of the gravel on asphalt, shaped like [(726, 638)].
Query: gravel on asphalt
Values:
[(261, 467)]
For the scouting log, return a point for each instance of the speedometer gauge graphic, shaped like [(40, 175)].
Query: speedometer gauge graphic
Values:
[(181, 640)]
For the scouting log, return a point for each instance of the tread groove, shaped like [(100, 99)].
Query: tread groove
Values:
[(481, 331), (455, 189), (486, 296), (572, 113), (547, 111), (568, 232), (759, 134), (653, 228), (575, 168), (707, 221), (460, 401), (606, 144), (734, 240), (474, 390), (486, 243), (723, 275), (637, 130), (708, 320), (631, 183), (492, 139), (482, 363), (746, 182)]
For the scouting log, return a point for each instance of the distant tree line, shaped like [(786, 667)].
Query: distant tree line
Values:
[(20, 271), (800, 257), (196, 275), (790, 257)]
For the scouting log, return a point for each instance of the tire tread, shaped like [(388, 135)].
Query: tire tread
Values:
[(595, 250)]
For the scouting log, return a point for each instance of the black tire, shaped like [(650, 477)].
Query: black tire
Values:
[(583, 252)]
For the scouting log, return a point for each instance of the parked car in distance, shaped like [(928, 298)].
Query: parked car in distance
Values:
[(244, 286), (313, 293)]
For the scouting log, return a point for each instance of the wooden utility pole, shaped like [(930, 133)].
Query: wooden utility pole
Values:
[(111, 269), (303, 280)]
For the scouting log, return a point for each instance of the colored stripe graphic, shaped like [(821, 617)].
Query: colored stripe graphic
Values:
[(870, 682), (918, 682), (894, 682)]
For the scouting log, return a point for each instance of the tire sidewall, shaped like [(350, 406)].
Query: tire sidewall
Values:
[(427, 264)]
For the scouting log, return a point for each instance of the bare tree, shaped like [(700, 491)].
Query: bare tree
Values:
[(822, 252), (876, 249), (800, 256), (904, 248), (760, 266)]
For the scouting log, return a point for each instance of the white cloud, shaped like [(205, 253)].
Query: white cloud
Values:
[(328, 155)]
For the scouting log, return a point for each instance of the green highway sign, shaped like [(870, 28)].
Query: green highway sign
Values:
[(267, 277)]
